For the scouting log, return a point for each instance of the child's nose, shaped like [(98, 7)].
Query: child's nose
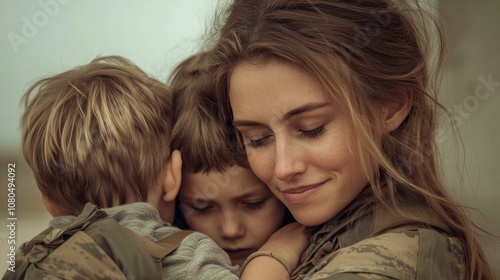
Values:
[(231, 226)]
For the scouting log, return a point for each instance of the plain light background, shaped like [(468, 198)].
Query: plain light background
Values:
[(42, 38)]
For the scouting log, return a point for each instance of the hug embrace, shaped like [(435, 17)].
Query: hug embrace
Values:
[(299, 143)]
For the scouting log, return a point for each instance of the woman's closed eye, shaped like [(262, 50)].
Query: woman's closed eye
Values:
[(259, 142), (313, 133)]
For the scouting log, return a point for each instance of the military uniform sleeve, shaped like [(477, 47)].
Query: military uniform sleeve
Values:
[(357, 276), (199, 257), (414, 254)]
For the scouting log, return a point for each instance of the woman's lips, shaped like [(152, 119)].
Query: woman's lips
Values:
[(302, 193)]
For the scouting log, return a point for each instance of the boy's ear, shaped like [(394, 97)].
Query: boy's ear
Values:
[(396, 111), (173, 177)]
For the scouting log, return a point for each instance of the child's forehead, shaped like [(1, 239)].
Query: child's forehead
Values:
[(233, 183)]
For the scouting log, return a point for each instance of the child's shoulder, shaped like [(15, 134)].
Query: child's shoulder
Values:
[(203, 245), (197, 257), (94, 237)]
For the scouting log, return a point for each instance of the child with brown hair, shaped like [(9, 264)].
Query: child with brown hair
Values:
[(219, 195)]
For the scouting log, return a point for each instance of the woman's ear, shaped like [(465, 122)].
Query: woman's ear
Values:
[(396, 111), (173, 177)]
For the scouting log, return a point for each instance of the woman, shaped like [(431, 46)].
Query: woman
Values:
[(335, 106)]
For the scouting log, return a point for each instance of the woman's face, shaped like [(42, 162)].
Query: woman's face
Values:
[(234, 208), (296, 141)]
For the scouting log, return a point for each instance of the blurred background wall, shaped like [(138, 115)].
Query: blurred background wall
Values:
[(45, 37), (471, 91)]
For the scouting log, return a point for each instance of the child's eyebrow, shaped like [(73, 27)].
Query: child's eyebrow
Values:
[(251, 195), (192, 200)]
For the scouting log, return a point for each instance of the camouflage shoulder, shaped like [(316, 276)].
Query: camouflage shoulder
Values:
[(80, 257), (387, 256), (440, 257), (412, 254), (355, 276)]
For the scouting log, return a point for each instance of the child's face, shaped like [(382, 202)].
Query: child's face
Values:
[(234, 208)]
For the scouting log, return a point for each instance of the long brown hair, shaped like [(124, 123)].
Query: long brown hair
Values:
[(364, 53)]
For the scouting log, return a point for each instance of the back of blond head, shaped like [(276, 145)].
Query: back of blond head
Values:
[(97, 133)]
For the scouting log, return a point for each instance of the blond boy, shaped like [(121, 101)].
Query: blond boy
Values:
[(100, 133)]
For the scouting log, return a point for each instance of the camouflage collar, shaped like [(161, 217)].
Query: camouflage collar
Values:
[(347, 230), (341, 231)]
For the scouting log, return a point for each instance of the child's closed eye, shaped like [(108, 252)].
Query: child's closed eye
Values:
[(190, 210), (255, 205)]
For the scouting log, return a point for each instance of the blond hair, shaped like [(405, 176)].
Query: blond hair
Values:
[(97, 133), (364, 53), (200, 133)]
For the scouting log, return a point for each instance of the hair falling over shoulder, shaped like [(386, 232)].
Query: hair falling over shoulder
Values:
[(375, 49)]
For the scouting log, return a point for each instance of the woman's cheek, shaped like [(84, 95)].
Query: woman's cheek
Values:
[(261, 164)]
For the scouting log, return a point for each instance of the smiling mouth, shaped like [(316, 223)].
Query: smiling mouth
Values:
[(301, 194), (304, 188)]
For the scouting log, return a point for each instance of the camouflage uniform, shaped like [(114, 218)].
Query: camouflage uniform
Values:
[(196, 257), (379, 245)]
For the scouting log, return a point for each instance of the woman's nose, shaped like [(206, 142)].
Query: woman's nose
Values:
[(287, 161)]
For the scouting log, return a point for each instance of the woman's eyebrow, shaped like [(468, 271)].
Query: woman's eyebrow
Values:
[(290, 114), (304, 108), (240, 123)]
